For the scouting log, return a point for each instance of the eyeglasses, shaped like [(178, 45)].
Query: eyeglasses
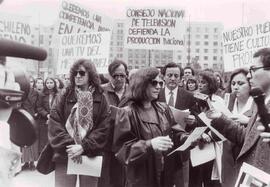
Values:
[(171, 74), (117, 76), (81, 73), (253, 69), (155, 83)]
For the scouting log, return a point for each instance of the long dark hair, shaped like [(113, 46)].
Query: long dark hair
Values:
[(139, 83), (94, 79), (46, 90)]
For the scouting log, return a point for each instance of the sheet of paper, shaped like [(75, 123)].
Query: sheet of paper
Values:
[(89, 166), (196, 133), (207, 122), (201, 156), (180, 115)]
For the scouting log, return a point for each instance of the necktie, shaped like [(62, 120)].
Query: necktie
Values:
[(171, 99)]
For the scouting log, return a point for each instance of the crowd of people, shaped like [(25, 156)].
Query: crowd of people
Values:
[(77, 118)]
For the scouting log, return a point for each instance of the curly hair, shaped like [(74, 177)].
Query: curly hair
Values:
[(211, 79), (94, 79), (139, 83)]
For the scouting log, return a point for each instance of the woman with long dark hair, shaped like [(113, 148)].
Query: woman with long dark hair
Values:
[(78, 124), (145, 132), (44, 104)]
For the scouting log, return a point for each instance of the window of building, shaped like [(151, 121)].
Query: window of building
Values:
[(197, 43), (179, 57), (215, 30), (206, 36), (188, 29), (197, 50), (215, 37), (214, 58), (215, 50), (205, 66), (215, 43), (215, 66), (198, 36), (205, 50), (206, 43), (205, 57)]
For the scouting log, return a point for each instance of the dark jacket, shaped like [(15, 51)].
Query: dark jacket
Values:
[(30, 104), (43, 105), (231, 151), (133, 147), (95, 139), (110, 94), (253, 150)]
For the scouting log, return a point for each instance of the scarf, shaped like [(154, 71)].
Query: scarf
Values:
[(80, 119)]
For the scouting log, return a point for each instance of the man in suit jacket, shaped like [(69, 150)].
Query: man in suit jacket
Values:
[(254, 149), (181, 99)]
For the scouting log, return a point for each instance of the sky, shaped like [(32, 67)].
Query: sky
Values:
[(231, 13)]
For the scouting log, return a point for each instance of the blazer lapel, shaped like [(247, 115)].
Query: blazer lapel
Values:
[(251, 136)]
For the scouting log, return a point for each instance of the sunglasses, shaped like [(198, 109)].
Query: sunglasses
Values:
[(155, 83), (117, 76), (81, 73)]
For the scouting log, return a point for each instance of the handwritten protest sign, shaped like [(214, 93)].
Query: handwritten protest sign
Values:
[(154, 28), (241, 43), (94, 46), (16, 28), (75, 18)]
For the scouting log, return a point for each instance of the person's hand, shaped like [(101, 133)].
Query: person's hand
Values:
[(213, 114), (161, 143), (77, 159), (48, 115), (240, 118), (206, 138), (190, 119), (263, 134), (74, 150)]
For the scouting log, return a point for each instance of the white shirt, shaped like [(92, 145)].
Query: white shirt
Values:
[(168, 95), (244, 109)]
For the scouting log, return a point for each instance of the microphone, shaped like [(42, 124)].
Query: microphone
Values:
[(259, 98), (20, 50)]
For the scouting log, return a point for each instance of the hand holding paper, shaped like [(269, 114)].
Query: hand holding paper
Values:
[(196, 134)]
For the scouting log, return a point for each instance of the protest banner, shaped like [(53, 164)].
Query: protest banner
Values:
[(74, 18), (241, 43), (154, 28), (94, 46), (16, 28)]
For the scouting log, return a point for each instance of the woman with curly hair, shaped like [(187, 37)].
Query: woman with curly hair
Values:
[(78, 124)]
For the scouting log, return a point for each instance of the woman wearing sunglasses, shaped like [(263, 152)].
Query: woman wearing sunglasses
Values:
[(78, 124), (144, 134)]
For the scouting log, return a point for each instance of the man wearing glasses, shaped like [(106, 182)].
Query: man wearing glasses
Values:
[(112, 174), (179, 98), (254, 142)]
